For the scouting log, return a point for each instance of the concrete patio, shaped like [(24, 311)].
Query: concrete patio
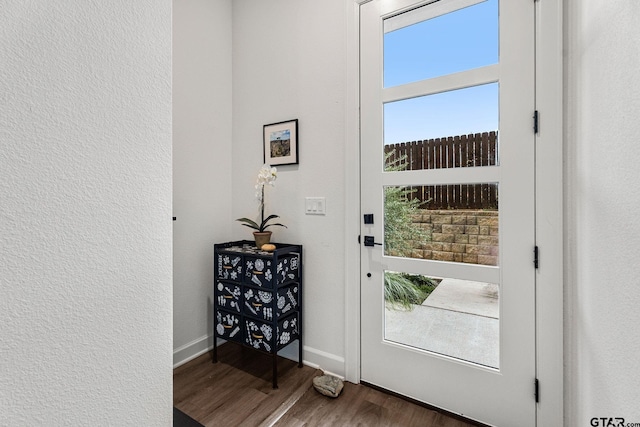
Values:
[(459, 319)]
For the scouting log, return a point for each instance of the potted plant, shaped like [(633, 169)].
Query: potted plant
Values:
[(266, 176)]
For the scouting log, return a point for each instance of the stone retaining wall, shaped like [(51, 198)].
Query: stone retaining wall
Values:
[(469, 236)]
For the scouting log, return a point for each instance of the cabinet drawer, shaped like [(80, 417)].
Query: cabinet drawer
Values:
[(260, 303), (259, 271), (228, 325), (261, 336), (228, 296), (229, 267)]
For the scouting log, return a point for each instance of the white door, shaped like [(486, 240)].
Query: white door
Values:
[(452, 208)]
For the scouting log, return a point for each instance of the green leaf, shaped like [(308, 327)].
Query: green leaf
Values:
[(264, 225), (281, 225), (249, 223)]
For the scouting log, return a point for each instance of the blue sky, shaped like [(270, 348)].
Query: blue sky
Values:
[(458, 41), (280, 134)]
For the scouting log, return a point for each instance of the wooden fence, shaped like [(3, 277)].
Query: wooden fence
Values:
[(480, 149)]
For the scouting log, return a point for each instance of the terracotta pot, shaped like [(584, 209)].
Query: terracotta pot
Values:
[(262, 238)]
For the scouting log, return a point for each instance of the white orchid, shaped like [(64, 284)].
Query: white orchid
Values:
[(266, 176)]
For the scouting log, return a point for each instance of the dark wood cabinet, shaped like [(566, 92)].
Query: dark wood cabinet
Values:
[(258, 297)]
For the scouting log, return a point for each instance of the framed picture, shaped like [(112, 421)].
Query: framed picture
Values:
[(281, 143)]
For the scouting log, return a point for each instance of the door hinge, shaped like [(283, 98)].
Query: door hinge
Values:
[(536, 254), (536, 120), (358, 239), (536, 391)]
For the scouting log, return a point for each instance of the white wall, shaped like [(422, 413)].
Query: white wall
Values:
[(201, 163), (289, 61), (85, 213), (603, 232)]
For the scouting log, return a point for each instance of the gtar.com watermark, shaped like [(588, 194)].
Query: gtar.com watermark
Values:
[(611, 422)]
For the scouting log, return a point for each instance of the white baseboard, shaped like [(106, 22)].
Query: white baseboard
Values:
[(329, 363), (317, 359), (190, 351)]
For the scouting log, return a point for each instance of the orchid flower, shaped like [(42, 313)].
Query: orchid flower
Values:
[(266, 176)]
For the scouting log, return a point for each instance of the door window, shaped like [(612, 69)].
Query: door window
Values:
[(441, 41)]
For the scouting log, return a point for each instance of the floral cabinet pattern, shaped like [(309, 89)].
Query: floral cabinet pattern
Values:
[(258, 297)]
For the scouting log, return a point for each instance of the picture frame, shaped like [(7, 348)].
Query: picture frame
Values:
[(280, 143)]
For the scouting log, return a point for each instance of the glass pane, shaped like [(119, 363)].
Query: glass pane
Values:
[(458, 119), (456, 41), (455, 223), (452, 317)]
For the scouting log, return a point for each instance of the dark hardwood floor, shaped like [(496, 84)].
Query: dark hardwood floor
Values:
[(237, 391)]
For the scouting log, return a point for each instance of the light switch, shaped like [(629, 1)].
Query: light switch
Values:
[(315, 206)]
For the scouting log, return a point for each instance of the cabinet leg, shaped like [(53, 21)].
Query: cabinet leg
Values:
[(215, 350)]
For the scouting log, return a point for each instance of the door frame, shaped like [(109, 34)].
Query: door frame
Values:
[(549, 206)]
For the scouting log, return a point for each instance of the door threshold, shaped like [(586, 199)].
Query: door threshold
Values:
[(426, 405)]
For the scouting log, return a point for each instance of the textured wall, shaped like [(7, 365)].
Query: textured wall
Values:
[(85, 213), (201, 163), (603, 233)]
